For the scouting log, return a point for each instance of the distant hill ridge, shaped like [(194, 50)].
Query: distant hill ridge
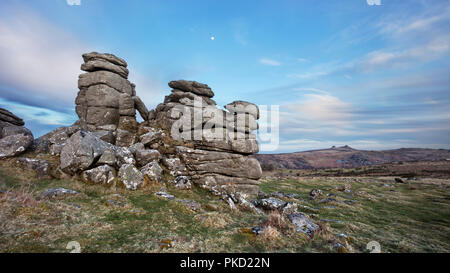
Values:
[(347, 157)]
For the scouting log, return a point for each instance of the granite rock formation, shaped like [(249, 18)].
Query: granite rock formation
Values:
[(14, 137), (186, 141), (106, 103), (217, 144)]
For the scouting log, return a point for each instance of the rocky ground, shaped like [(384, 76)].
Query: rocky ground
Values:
[(345, 214)]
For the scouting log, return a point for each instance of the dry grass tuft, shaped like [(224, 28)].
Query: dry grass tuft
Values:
[(271, 233), (23, 196), (213, 219), (276, 220)]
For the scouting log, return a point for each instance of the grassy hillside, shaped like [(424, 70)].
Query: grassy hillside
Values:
[(412, 217)]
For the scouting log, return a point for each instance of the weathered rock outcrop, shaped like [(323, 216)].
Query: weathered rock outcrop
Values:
[(107, 101), (185, 141), (14, 138), (216, 143)]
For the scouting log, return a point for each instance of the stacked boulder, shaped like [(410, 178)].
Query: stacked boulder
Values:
[(186, 140), (14, 137), (106, 103), (216, 144)]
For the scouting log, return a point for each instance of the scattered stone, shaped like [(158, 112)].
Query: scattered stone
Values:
[(258, 230), (117, 201), (131, 177), (174, 165), (192, 205), (165, 195), (303, 224), (104, 174), (272, 203), (289, 208), (152, 171), (230, 203), (57, 193), (346, 188), (182, 183), (399, 180), (244, 203), (42, 167), (315, 193)]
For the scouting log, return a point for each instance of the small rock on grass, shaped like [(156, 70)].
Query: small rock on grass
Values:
[(58, 193), (303, 224), (315, 193), (192, 205), (165, 195), (272, 203)]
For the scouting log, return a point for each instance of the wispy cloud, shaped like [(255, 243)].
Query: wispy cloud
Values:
[(73, 2), (270, 62), (308, 75), (38, 56)]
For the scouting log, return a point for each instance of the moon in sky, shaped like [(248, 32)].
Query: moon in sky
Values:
[(213, 38)]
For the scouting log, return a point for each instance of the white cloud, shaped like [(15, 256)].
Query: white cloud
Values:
[(38, 58), (307, 75), (302, 60), (311, 90), (43, 60), (270, 62), (73, 2)]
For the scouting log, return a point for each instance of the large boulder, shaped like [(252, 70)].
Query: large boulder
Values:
[(131, 177), (193, 87), (14, 145), (239, 107), (100, 64), (9, 117), (81, 151), (228, 164), (104, 56), (14, 138), (152, 172), (101, 175), (105, 77)]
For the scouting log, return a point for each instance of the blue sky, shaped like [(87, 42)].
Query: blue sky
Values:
[(342, 72)]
